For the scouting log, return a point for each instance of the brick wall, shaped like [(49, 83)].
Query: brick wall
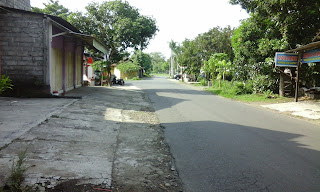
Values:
[(17, 4), (22, 47)]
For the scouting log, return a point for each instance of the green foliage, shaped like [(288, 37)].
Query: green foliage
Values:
[(126, 67), (241, 88), (53, 8), (216, 40), (135, 78), (241, 91), (159, 64), (14, 183), (117, 24), (296, 20), (261, 83), (217, 66), (100, 65), (142, 59), (5, 84), (202, 81)]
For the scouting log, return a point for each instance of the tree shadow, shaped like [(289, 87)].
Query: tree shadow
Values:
[(216, 156)]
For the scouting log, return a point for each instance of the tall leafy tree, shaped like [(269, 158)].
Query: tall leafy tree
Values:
[(143, 60), (53, 8), (297, 20), (159, 64), (118, 25), (216, 40)]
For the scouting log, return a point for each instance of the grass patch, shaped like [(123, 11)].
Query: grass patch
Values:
[(134, 79), (266, 98), (14, 183), (244, 92), (160, 74)]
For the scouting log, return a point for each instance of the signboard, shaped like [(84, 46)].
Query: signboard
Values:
[(286, 59), (311, 56)]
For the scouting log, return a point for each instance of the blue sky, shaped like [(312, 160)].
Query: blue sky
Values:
[(176, 19)]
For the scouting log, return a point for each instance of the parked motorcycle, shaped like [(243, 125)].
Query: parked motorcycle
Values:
[(117, 81)]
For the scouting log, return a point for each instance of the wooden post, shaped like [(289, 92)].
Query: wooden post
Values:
[(281, 86), (297, 77)]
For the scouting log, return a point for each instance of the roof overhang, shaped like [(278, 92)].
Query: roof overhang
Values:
[(91, 41), (307, 47), (88, 39)]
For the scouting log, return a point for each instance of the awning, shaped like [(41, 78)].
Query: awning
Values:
[(91, 41), (88, 39), (307, 47)]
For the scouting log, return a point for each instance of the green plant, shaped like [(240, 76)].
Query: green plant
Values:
[(128, 67), (14, 183), (261, 83), (5, 83), (203, 81), (136, 78), (146, 75)]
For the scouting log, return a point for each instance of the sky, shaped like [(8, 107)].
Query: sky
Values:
[(177, 20)]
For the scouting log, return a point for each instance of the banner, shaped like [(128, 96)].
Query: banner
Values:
[(311, 56), (286, 59)]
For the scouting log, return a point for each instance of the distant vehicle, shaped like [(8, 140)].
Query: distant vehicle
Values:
[(177, 76)]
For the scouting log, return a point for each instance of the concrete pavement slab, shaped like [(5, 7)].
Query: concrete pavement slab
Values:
[(110, 138), (19, 115)]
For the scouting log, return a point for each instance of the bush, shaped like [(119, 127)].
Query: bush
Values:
[(5, 83), (136, 78), (241, 88), (261, 83), (202, 81)]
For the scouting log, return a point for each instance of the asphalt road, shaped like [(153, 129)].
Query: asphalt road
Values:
[(224, 145)]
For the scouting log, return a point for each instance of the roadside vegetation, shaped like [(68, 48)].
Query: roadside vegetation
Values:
[(240, 61), (16, 178), (5, 83), (241, 58)]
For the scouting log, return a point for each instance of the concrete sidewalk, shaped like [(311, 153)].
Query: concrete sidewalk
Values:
[(19, 115), (110, 139), (303, 109)]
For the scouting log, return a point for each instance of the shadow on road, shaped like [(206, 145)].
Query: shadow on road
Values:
[(230, 157)]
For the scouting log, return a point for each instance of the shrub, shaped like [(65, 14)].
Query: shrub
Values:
[(136, 78), (5, 83), (261, 83), (202, 81), (242, 88)]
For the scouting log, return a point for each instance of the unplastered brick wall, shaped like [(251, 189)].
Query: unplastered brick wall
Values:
[(17, 4), (22, 46)]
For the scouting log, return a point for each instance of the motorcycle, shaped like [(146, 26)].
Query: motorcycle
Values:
[(117, 81)]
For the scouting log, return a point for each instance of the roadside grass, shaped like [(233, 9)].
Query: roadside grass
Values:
[(14, 183), (134, 79), (160, 74), (251, 98)]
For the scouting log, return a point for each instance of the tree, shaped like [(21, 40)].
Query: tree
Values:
[(175, 56), (53, 8), (143, 60), (216, 40), (159, 64), (118, 25), (127, 67), (190, 57), (298, 20), (217, 66)]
